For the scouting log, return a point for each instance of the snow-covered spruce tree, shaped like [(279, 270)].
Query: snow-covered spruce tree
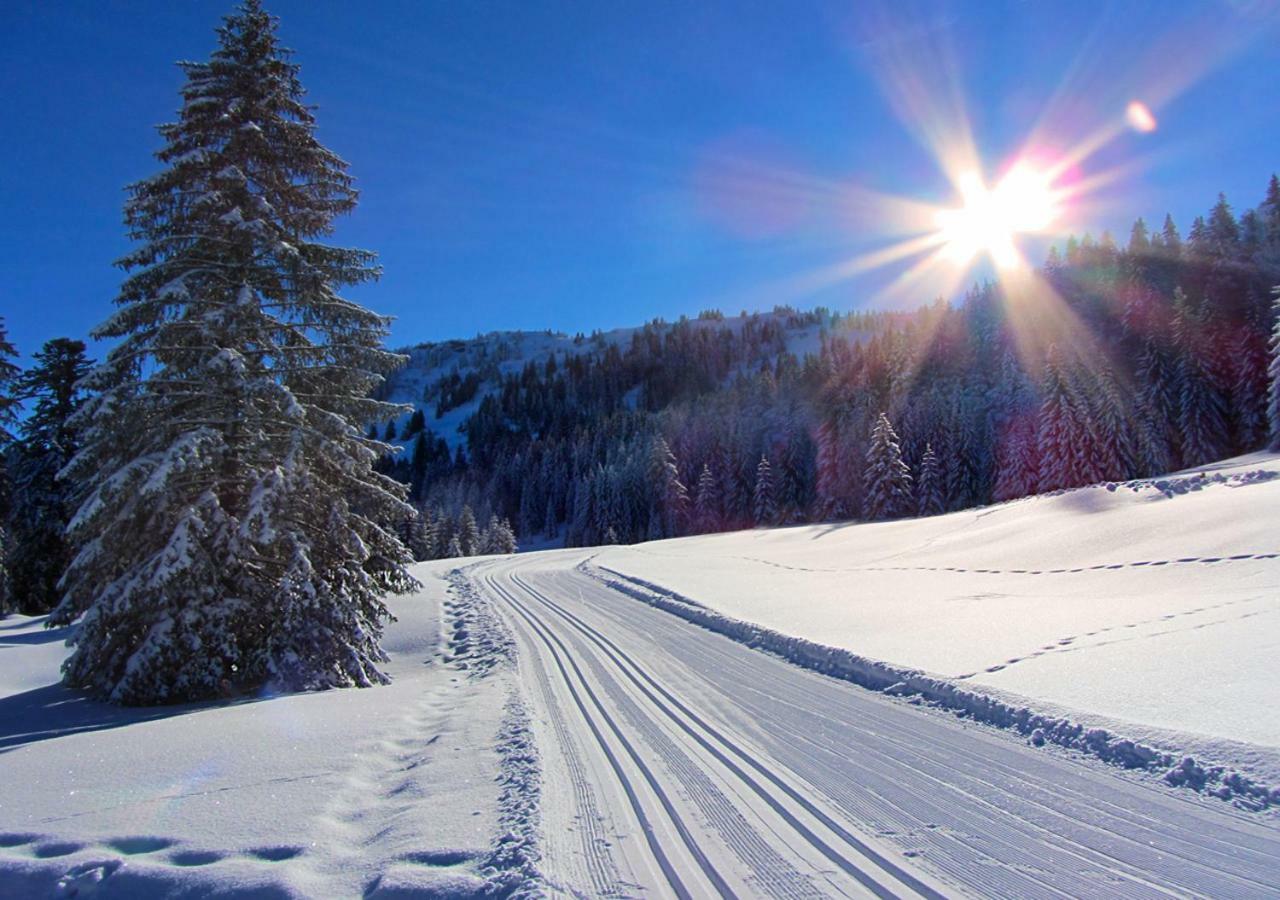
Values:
[(1202, 416), (232, 532), (1273, 374), (706, 506), (671, 494), (929, 484), (41, 501), (468, 533), (8, 419), (888, 478), (764, 504), (1059, 431), (498, 537)]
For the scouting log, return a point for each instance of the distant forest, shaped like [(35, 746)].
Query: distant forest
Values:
[(1143, 358)]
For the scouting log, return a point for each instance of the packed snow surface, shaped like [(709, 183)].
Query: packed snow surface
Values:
[(1152, 603), (687, 763)]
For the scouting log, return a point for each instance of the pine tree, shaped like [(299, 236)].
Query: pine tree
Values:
[(41, 502), (9, 374), (8, 418), (764, 505), (706, 506), (551, 525), (418, 463), (888, 478), (1201, 412), (498, 537), (664, 478), (1273, 373), (1249, 356), (929, 485), (1158, 409), (1060, 432), (417, 422), (829, 484), (233, 531), (468, 533)]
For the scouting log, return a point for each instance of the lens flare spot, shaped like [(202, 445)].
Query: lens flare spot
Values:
[(1139, 117)]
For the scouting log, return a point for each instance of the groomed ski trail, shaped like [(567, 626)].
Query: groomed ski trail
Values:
[(694, 766)]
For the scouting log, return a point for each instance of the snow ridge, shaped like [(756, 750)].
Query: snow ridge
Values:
[(478, 640), (481, 644), (512, 868), (1178, 770)]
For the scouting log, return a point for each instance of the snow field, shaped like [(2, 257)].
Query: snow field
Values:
[(1150, 608), (404, 788)]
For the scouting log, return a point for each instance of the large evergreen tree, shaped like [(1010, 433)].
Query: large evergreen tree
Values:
[(232, 530), (41, 501), (1062, 437)]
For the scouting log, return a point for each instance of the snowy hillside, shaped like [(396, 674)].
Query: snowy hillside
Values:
[(1153, 604), (420, 383)]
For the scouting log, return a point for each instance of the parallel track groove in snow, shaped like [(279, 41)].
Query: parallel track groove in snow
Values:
[(815, 762), (1058, 809), (631, 670), (676, 883)]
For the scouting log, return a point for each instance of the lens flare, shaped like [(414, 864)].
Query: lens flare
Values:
[(989, 219), (1139, 117)]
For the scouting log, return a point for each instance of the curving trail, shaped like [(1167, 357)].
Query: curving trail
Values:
[(680, 763)]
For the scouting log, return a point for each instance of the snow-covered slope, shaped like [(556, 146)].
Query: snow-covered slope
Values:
[(493, 355), (1155, 604), (309, 795)]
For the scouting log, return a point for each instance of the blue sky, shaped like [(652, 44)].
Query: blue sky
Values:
[(588, 165)]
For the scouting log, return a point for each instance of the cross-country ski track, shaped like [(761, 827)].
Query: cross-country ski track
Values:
[(677, 762)]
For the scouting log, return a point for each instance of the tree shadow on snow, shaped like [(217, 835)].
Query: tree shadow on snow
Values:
[(54, 711), (35, 636)]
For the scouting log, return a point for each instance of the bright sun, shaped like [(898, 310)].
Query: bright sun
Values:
[(1024, 201)]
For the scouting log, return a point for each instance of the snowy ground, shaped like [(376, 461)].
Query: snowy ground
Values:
[(1155, 608), (553, 725), (330, 794), (688, 764)]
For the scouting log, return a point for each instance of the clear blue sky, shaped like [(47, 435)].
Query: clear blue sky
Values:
[(588, 165)]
